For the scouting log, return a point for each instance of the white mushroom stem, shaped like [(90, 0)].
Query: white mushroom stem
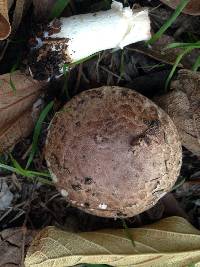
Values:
[(90, 33), (94, 32)]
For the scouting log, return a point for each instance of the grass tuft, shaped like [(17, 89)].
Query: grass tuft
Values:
[(33, 175), (186, 48), (37, 131), (169, 22)]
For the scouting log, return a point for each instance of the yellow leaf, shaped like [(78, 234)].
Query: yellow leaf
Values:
[(170, 242)]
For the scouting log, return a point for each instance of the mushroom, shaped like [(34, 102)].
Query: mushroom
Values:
[(68, 40), (112, 152), (182, 103), (192, 8)]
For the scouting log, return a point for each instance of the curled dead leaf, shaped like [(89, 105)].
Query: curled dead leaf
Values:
[(18, 112), (193, 7), (182, 104), (170, 242), (5, 27)]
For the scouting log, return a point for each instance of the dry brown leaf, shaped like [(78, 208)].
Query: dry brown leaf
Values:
[(12, 104), (17, 110), (5, 27), (12, 246), (43, 8), (18, 129), (193, 7), (20, 7), (172, 206), (170, 242), (182, 104)]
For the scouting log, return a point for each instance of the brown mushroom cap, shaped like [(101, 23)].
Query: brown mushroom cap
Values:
[(192, 8), (112, 152)]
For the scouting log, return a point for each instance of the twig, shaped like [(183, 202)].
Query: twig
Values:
[(110, 72), (101, 55)]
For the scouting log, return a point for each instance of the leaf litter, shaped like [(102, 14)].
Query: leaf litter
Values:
[(142, 68)]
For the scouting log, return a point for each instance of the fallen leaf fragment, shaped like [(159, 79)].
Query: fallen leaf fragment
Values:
[(5, 27), (193, 7), (18, 111), (182, 103), (13, 242), (170, 242), (17, 129)]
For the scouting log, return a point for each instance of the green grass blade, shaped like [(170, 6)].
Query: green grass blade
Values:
[(178, 60), (83, 60), (37, 131), (17, 166), (9, 168), (66, 68), (36, 173), (13, 69), (58, 8), (196, 65), (169, 22), (183, 45), (176, 45), (26, 173), (12, 85)]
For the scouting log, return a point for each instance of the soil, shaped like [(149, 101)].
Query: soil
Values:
[(37, 205)]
